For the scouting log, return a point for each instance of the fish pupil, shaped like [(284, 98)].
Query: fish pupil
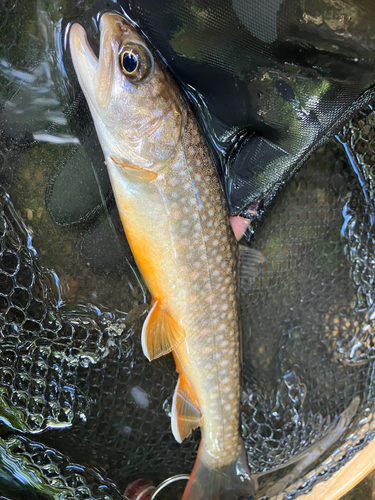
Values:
[(129, 62)]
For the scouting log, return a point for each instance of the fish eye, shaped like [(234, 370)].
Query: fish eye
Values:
[(135, 62), (130, 62)]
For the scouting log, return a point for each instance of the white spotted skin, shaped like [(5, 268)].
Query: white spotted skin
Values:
[(186, 251), (177, 225)]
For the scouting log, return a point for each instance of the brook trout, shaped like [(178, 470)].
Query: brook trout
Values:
[(176, 221)]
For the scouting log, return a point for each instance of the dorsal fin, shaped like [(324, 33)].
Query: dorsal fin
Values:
[(186, 415), (160, 333), (134, 173), (249, 261)]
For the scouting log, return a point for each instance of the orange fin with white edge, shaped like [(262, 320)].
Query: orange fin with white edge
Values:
[(161, 333), (134, 173), (186, 415)]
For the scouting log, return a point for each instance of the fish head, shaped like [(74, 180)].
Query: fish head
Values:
[(137, 109)]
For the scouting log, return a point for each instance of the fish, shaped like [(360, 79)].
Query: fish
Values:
[(176, 220)]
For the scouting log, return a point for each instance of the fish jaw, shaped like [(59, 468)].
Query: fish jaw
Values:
[(83, 58)]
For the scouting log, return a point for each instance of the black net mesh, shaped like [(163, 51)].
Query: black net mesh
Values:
[(82, 412), (311, 324)]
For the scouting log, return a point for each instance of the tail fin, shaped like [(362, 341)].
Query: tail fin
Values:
[(231, 482)]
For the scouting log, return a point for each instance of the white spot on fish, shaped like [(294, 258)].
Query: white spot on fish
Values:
[(173, 181)]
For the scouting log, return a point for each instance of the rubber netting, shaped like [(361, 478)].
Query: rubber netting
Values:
[(82, 374), (82, 412)]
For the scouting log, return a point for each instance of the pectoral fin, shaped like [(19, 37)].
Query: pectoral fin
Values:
[(160, 333), (186, 415), (134, 173)]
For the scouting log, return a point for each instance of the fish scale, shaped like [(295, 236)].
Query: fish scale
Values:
[(176, 221), (202, 272), (218, 350)]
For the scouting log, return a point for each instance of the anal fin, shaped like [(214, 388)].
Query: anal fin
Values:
[(186, 415), (161, 333)]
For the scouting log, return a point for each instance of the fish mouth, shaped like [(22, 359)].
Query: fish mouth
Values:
[(84, 59), (96, 74)]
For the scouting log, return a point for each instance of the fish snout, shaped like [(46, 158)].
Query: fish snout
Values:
[(115, 24)]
